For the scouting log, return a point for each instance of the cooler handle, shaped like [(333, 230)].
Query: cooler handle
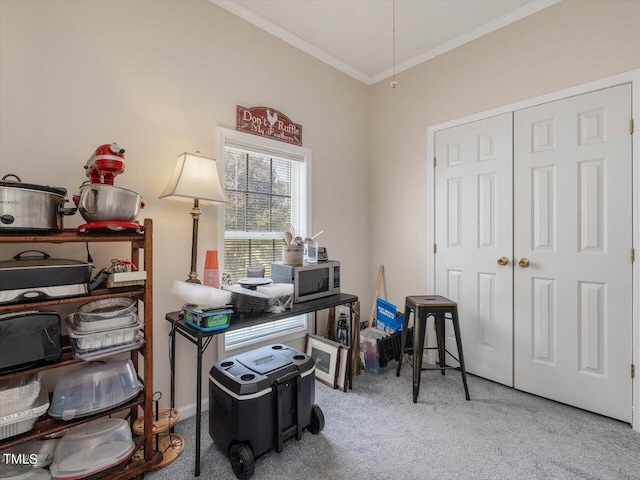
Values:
[(45, 256), (281, 384), (287, 378)]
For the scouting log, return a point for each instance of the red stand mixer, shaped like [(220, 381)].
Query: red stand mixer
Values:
[(105, 163), (103, 205)]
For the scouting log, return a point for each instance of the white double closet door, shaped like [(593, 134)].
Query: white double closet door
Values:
[(533, 228)]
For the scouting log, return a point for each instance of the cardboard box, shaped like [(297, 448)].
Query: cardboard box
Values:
[(126, 279), (388, 319), (127, 276)]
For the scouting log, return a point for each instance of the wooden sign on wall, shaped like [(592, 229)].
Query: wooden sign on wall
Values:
[(268, 122)]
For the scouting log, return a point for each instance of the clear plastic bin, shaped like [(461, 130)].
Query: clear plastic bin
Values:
[(94, 387), (43, 450), (91, 448), (280, 296), (208, 320), (245, 301), (101, 353), (23, 472), (108, 338), (18, 394), (369, 349), (195, 294), (20, 422)]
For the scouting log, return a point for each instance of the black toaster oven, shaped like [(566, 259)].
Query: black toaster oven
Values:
[(28, 338)]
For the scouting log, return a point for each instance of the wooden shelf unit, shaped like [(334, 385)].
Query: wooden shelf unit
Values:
[(46, 425)]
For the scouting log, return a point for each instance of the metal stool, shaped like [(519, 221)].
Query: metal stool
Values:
[(424, 306)]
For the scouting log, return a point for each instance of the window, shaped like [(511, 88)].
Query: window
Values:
[(263, 196), (266, 187)]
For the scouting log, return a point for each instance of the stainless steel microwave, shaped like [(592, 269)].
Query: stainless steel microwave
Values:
[(310, 281)]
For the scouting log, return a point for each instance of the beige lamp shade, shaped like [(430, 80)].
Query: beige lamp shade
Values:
[(195, 176)]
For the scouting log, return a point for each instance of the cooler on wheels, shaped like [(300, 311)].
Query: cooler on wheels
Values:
[(258, 400)]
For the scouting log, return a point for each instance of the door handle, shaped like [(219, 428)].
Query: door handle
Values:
[(524, 262), (503, 261)]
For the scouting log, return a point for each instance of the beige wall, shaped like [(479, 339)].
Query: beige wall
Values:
[(568, 44), (158, 77)]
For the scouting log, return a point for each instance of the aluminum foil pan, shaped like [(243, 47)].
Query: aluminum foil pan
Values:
[(107, 308), (18, 394), (77, 325)]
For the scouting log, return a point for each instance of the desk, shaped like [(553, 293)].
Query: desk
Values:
[(203, 339)]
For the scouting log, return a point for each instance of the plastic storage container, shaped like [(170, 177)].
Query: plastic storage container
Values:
[(369, 349), (245, 301), (195, 294), (104, 339), (101, 353), (94, 387), (23, 421), (280, 296), (39, 453), (18, 394), (206, 320), (91, 448), (23, 472)]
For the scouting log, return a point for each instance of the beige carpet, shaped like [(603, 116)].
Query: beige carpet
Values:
[(377, 432)]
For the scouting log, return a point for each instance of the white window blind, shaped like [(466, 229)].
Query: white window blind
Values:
[(265, 192), (265, 331)]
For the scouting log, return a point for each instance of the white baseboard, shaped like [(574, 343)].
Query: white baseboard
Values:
[(188, 411)]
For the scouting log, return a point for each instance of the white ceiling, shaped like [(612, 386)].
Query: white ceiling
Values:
[(356, 36)]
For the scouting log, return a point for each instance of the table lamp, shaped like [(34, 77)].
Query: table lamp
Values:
[(195, 178)]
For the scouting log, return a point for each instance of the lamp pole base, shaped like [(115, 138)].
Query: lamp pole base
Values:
[(195, 215), (193, 278)]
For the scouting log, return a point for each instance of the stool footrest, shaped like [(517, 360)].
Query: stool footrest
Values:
[(436, 348), (446, 367)]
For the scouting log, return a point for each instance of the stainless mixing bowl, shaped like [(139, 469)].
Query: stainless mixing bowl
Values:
[(100, 202)]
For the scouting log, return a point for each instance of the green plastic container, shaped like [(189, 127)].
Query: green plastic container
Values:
[(207, 319)]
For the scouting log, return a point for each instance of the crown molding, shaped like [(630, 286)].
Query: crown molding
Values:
[(323, 56)]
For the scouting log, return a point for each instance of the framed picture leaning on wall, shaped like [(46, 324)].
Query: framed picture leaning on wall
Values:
[(342, 378), (325, 354)]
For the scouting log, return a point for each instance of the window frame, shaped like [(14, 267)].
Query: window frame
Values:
[(230, 137)]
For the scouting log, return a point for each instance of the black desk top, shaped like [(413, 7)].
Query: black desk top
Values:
[(242, 321)]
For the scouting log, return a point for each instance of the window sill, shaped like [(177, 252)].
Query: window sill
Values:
[(281, 337)]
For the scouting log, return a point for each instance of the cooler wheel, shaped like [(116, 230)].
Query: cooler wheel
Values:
[(242, 461), (317, 420)]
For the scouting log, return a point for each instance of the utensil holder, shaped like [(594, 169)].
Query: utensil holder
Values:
[(292, 254)]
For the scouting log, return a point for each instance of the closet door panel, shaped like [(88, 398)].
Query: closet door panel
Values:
[(473, 190), (572, 239)]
